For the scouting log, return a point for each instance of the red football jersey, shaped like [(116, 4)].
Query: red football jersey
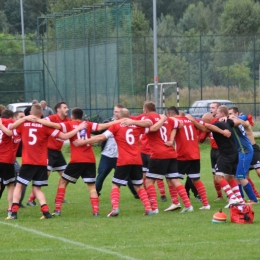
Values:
[(82, 153), (127, 139), (16, 142), (6, 144), (213, 143), (34, 139), (145, 148), (186, 141), (55, 143), (157, 139)]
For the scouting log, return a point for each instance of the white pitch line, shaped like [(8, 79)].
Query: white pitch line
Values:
[(65, 240)]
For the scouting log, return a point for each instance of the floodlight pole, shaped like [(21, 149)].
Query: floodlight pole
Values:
[(22, 24), (23, 43), (155, 55)]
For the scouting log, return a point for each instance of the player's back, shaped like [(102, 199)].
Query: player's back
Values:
[(6, 144), (157, 139), (56, 143), (226, 145), (83, 153), (243, 143), (127, 139), (186, 140), (34, 140)]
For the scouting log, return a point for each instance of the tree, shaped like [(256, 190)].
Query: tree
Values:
[(32, 9), (239, 74), (61, 5), (197, 17), (140, 26), (240, 17), (4, 26)]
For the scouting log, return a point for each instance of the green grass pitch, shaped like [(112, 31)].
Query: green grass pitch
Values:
[(76, 234)]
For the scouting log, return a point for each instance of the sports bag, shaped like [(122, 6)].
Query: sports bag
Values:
[(241, 213)]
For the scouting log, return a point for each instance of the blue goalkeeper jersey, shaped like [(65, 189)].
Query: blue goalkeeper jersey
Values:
[(243, 143)]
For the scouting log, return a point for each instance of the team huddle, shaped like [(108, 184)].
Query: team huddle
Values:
[(148, 148)]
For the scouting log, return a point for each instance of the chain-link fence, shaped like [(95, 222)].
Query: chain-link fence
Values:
[(90, 59)]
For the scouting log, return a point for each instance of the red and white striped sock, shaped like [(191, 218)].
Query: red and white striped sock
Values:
[(183, 194), (226, 187), (174, 195), (151, 192), (160, 184), (115, 197), (144, 198), (218, 189), (202, 192), (94, 204), (253, 187), (32, 197), (235, 188), (59, 198)]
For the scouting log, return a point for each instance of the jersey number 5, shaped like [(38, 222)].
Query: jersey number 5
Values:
[(33, 136)]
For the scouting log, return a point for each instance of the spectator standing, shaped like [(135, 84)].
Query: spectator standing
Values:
[(46, 111)]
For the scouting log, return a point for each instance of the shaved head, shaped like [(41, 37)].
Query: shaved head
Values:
[(124, 113), (207, 118)]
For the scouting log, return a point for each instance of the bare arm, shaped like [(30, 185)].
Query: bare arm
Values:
[(180, 122), (141, 123), (238, 121), (172, 137), (92, 140), (65, 136), (20, 121), (104, 126), (198, 125), (49, 124), (5, 130), (216, 129), (158, 124)]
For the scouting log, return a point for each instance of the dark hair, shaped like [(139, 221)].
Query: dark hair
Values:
[(16, 113), (119, 106), (173, 109), (235, 109), (7, 113), (58, 105), (77, 113)]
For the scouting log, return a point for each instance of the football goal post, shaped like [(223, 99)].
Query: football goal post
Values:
[(162, 87)]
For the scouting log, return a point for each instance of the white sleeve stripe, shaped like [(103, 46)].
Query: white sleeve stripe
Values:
[(176, 124), (47, 118), (94, 127), (147, 119), (63, 127), (108, 134), (54, 133), (147, 130), (14, 132)]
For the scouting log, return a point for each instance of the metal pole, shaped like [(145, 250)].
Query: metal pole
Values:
[(254, 77), (22, 24), (155, 54), (200, 69), (23, 45)]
